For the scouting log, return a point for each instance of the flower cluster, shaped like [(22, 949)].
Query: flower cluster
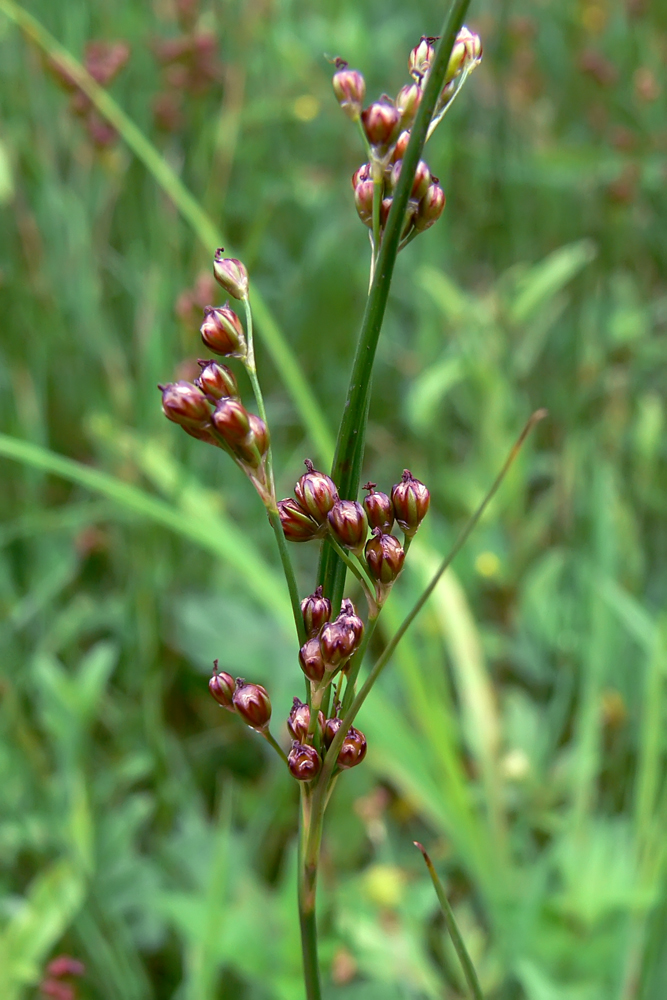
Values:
[(104, 61), (386, 125)]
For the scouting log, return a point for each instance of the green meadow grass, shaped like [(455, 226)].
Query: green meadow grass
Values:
[(520, 733)]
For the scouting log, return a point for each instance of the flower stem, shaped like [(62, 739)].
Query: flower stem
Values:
[(288, 570), (310, 833), (276, 746)]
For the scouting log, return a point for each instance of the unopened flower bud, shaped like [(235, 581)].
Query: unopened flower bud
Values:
[(337, 643), (363, 200), (303, 761), (348, 616), (231, 274), (222, 332), (379, 509), (466, 54), (316, 493), (421, 57), (430, 208), (253, 704), (259, 432), (185, 404), (311, 660), (362, 173), (349, 524), (350, 89), (222, 686), (407, 102), (381, 121), (298, 720), (217, 380), (353, 750), (316, 610), (331, 727), (401, 146), (65, 965), (231, 420), (411, 501), (421, 182), (384, 556), (298, 526)]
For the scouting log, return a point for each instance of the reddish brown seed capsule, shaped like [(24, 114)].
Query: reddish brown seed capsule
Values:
[(331, 727), (316, 493), (430, 208), (381, 121), (407, 102), (421, 57), (298, 526), (231, 274), (421, 182), (185, 404), (401, 146), (260, 433), (316, 610), (222, 332), (349, 524), (222, 687), (348, 616), (65, 965), (379, 509), (231, 420), (298, 721), (312, 661), (350, 89), (217, 380), (303, 761), (253, 704), (337, 642), (384, 557), (362, 173), (363, 200), (353, 750), (411, 501)]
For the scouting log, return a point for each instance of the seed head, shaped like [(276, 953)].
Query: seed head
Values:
[(411, 501), (316, 610), (421, 57), (185, 404), (381, 121), (231, 274), (362, 173), (363, 200), (337, 643), (312, 661), (384, 557), (217, 380), (298, 721), (349, 524), (298, 526), (421, 182), (348, 616), (316, 493), (253, 704), (350, 89), (222, 332), (466, 54), (221, 686), (379, 509), (331, 727), (303, 761), (353, 750), (430, 208), (407, 102), (232, 421)]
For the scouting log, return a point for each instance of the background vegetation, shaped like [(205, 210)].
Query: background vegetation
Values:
[(521, 731)]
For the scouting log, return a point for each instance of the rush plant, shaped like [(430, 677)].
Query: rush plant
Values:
[(397, 198)]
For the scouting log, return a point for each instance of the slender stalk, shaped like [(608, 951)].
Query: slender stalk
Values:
[(251, 368), (288, 570), (310, 832), (366, 585), (352, 432), (276, 746), (455, 934)]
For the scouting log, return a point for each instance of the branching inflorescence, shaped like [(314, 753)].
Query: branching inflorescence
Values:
[(332, 641)]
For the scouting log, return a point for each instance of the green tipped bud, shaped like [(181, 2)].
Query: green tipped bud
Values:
[(384, 557), (337, 643), (311, 660), (379, 509), (316, 611), (411, 501), (430, 208), (421, 57), (298, 526), (253, 704), (381, 121), (298, 721), (260, 433), (466, 54), (303, 761), (222, 686), (407, 102), (222, 332), (316, 493), (353, 750), (350, 89), (331, 727), (349, 524), (401, 146), (217, 380), (363, 201), (348, 616), (232, 421), (253, 448), (231, 274), (421, 182), (185, 404)]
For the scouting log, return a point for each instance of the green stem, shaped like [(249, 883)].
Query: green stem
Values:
[(455, 934), (366, 584), (251, 368), (310, 834), (288, 570), (276, 746), (351, 436), (356, 661)]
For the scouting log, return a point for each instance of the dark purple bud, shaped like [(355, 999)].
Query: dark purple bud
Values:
[(253, 704), (381, 121), (185, 404), (363, 200), (337, 642), (298, 722), (231, 274), (260, 433), (349, 524), (222, 332), (231, 420), (407, 102), (298, 526), (421, 57), (430, 208), (217, 381), (222, 686), (303, 761), (411, 501), (362, 173), (316, 493), (348, 616), (331, 727), (353, 750), (379, 509), (384, 556), (350, 89), (316, 610), (312, 661), (421, 182)]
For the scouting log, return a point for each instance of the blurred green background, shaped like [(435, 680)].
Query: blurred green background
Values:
[(520, 733)]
